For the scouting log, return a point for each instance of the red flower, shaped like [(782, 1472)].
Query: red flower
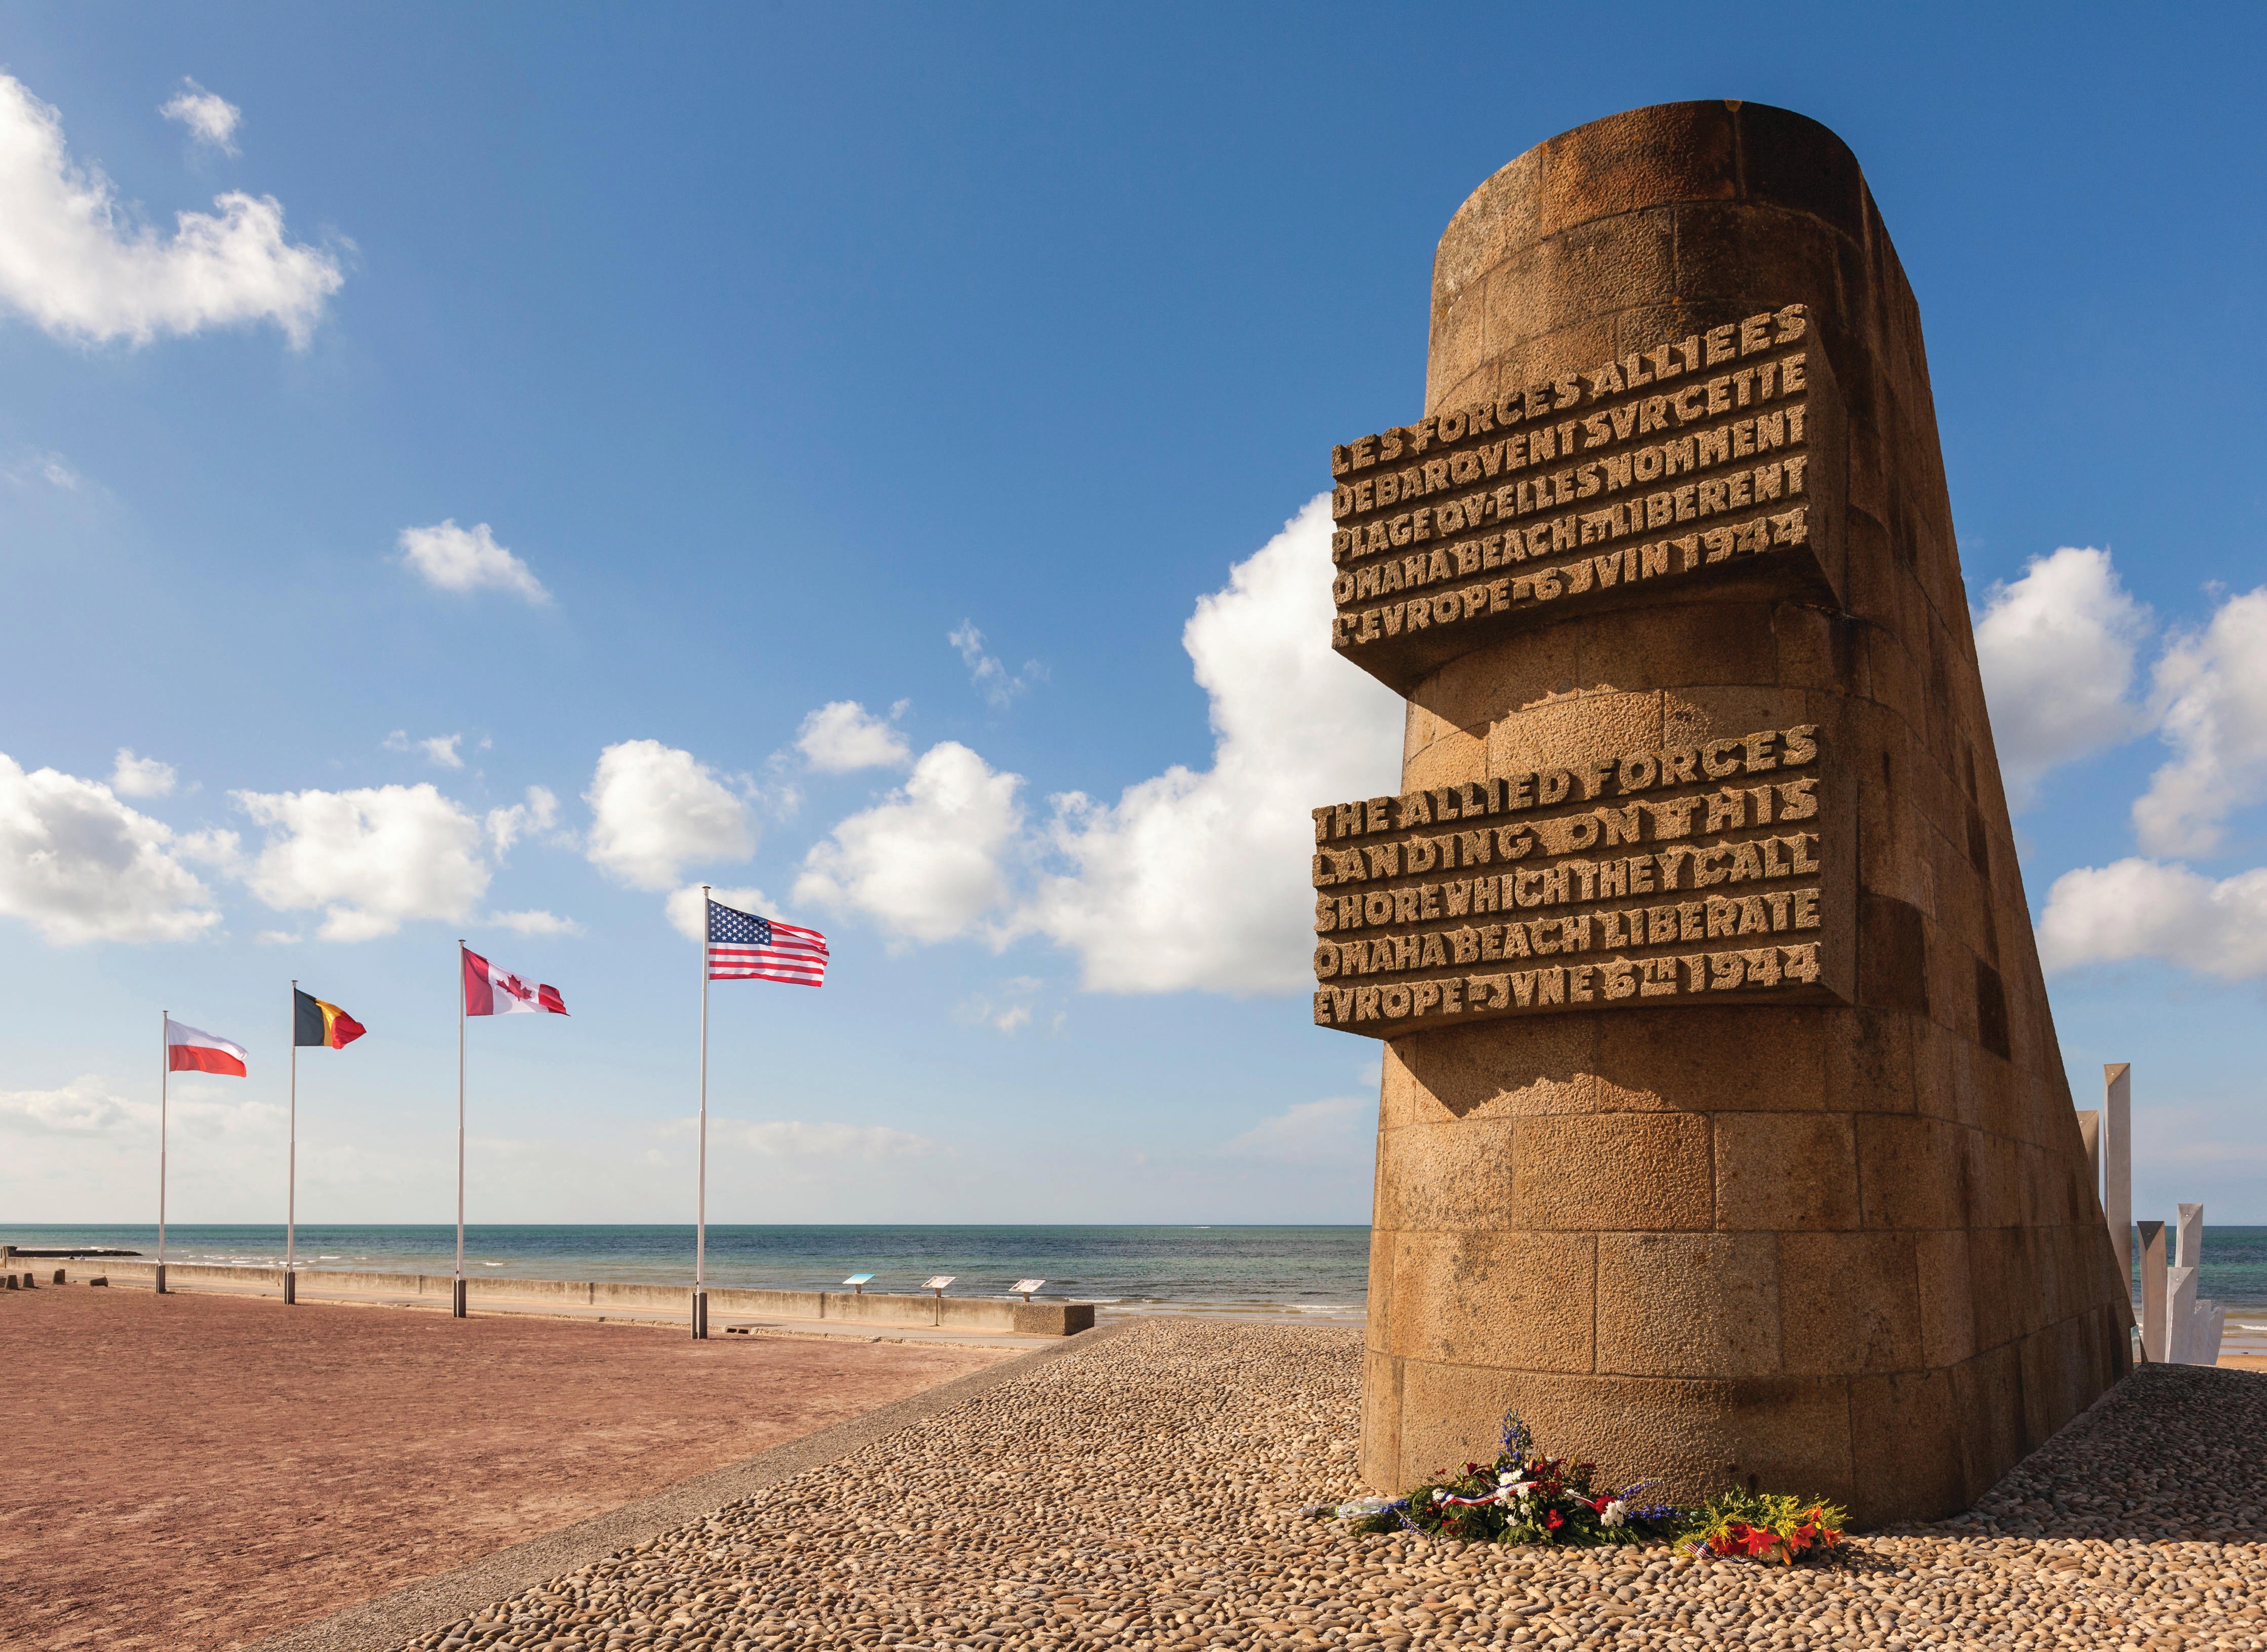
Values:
[(1551, 1521)]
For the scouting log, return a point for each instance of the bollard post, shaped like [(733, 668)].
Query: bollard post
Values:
[(161, 1279), (701, 1315), (457, 1299), (2154, 1345), (290, 1287)]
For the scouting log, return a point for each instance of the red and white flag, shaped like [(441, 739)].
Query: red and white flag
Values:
[(491, 991), (190, 1051)]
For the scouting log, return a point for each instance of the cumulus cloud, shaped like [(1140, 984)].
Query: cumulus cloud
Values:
[(842, 736), (212, 120), (85, 1107), (370, 859), (654, 808), (78, 865), (925, 862), (1311, 1131), (450, 558), (793, 1139), (993, 679), (72, 262), (1200, 879), (2055, 649), (2136, 908), (2211, 697), (133, 776), (689, 918), (507, 826), (440, 750)]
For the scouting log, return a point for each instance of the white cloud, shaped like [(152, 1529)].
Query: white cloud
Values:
[(655, 808), (688, 917), (1337, 1129), (370, 858), (842, 736), (925, 862), (83, 1107), (506, 826), (2210, 698), (2146, 909), (986, 672), (52, 468), (533, 923), (134, 776), (2056, 651), (793, 1139), (212, 120), (78, 865), (277, 937), (440, 750), (1199, 880), (1008, 1009), (449, 558), (71, 261)]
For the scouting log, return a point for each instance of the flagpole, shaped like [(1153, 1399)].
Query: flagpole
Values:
[(291, 1164), (701, 1206), (165, 1087), (457, 1293)]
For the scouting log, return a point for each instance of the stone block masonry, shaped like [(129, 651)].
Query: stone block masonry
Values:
[(1723, 1130)]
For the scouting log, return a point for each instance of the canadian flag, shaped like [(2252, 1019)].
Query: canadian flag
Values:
[(490, 991)]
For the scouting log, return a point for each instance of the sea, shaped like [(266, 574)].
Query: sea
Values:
[(1316, 1274), (1311, 1274)]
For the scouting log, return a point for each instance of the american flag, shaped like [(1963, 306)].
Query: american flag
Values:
[(745, 947)]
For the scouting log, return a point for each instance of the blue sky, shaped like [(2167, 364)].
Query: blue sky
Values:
[(864, 456)]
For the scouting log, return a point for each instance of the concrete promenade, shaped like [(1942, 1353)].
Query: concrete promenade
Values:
[(991, 1321)]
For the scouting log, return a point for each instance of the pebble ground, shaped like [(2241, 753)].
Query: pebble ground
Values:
[(1144, 1493)]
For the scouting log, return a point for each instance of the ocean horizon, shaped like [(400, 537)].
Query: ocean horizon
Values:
[(1320, 1271), (1317, 1270)]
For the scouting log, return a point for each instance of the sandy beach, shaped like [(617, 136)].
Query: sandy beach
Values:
[(196, 1471)]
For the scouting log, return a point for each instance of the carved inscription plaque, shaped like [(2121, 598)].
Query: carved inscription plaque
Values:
[(1706, 873), (1693, 459), (1720, 872)]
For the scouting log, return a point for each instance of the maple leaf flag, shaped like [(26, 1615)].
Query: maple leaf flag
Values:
[(491, 991)]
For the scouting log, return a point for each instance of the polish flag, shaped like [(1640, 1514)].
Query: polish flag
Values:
[(490, 991), (190, 1051)]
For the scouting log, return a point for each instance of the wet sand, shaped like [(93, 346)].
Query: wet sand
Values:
[(193, 1471)]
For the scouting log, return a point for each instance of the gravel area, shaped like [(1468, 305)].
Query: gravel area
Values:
[(1143, 1493)]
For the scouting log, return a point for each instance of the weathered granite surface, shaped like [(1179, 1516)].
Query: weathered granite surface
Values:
[(1724, 1133)]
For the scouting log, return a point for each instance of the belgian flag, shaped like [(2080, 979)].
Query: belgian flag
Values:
[(315, 1022)]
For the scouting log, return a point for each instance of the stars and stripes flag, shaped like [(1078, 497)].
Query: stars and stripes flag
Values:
[(743, 947)]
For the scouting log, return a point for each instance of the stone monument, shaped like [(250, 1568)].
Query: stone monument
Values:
[(1723, 1134)]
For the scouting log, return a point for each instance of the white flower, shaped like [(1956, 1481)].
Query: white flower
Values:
[(1616, 1514)]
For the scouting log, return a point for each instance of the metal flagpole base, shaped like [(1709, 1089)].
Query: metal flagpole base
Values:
[(699, 1315), (457, 1301), (290, 1287), (161, 1279)]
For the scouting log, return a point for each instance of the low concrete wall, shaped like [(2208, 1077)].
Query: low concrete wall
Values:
[(967, 1313)]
